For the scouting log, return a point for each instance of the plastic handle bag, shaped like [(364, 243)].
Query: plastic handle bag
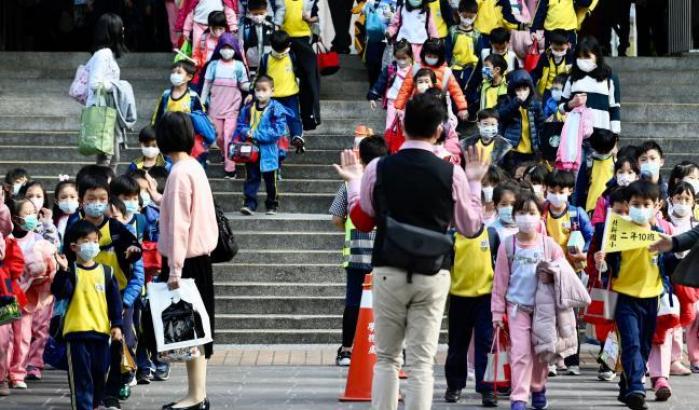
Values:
[(497, 371)]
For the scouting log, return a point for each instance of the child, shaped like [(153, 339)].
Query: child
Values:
[(180, 97), (603, 144), (465, 50), (639, 283), (35, 282), (152, 157), (203, 49), (625, 172), (118, 249), (443, 17), (551, 111), (225, 80), (488, 140), (263, 122), (413, 22), (280, 65), (447, 145), (558, 60), (535, 174), (500, 44), (389, 83), (469, 313), (356, 253), (558, 15), (492, 178), (258, 26), (650, 159), (494, 84), (521, 118), (493, 14), (504, 196), (15, 179), (10, 274), (193, 17), (377, 15), (432, 57), (93, 316), (514, 289), (685, 171), (34, 191)]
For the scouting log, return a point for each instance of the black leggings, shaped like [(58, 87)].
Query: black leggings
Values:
[(309, 79)]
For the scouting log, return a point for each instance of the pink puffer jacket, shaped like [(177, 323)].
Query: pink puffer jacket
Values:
[(554, 332)]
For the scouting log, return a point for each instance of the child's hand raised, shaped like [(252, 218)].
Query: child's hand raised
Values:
[(349, 167), (62, 261)]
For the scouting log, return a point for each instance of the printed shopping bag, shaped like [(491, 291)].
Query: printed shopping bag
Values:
[(610, 351), (498, 371), (97, 124), (180, 319), (244, 152), (601, 309)]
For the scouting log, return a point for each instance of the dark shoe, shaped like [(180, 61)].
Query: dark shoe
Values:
[(162, 375), (230, 175), (344, 357), (539, 401), (144, 377), (4, 389), (504, 391), (111, 403), (299, 143), (204, 405), (489, 399), (452, 395), (636, 401)]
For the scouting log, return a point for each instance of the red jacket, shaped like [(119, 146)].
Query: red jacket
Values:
[(11, 269)]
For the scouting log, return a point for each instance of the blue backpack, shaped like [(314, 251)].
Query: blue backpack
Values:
[(374, 25)]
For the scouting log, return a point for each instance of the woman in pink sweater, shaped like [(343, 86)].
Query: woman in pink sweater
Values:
[(188, 234)]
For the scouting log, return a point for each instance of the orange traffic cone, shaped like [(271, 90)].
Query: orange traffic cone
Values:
[(361, 371)]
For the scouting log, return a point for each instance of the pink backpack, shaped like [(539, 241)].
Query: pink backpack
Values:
[(578, 125), (78, 88)]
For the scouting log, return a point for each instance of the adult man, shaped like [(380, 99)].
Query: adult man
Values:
[(421, 193)]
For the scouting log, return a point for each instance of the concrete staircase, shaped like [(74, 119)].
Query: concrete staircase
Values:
[(286, 285)]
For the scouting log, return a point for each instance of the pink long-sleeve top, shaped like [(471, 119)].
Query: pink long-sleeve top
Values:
[(188, 225), (501, 279), (466, 195)]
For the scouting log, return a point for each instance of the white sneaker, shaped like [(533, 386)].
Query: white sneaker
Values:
[(552, 370), (471, 375), (19, 385), (573, 371), (606, 376)]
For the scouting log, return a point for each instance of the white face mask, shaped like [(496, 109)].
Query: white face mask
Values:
[(422, 87), (527, 223), (258, 18), (625, 179), (176, 79), (556, 94), (586, 64), (467, 21), (38, 203), (557, 200), (431, 61), (227, 53), (415, 3), (402, 63), (681, 210), (150, 152), (694, 183), (488, 132), (559, 54), (538, 191), (487, 194), (16, 187), (263, 96), (522, 94)]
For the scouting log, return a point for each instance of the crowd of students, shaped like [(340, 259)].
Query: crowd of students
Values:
[(551, 134)]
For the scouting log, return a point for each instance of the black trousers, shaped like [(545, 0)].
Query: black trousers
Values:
[(252, 185), (341, 14), (309, 81), (199, 268)]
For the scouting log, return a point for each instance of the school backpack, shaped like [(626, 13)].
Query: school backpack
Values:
[(78, 88), (374, 24), (227, 247)]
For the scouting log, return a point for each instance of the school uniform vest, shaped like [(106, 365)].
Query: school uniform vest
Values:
[(550, 71), (472, 274), (602, 172), (282, 72), (294, 23), (464, 51), (88, 310), (561, 15), (418, 190), (108, 255), (439, 22)]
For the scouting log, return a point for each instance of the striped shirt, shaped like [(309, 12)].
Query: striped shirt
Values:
[(603, 98)]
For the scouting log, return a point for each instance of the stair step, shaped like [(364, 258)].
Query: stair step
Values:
[(282, 222), (290, 240), (281, 289), (316, 267), (280, 304), (280, 336), (283, 322)]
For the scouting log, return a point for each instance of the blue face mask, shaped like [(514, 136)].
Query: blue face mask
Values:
[(650, 170), (487, 73), (505, 215), (30, 222), (95, 209), (640, 215), (131, 206), (88, 250)]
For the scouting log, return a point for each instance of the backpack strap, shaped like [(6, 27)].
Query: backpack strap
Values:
[(494, 242), (510, 250), (445, 79), (574, 216)]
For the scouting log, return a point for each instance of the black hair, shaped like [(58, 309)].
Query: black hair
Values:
[(560, 79), (497, 61), (403, 46), (124, 185), (617, 194), (118, 204), (680, 171), (558, 36), (537, 173), (175, 133), (502, 188), (79, 230), (186, 65), (15, 174), (682, 187), (486, 113), (649, 146), (629, 151), (524, 198), (434, 47), (495, 175), (559, 178), (90, 182), (423, 115), (590, 46), (217, 19), (372, 147), (25, 188), (109, 33), (642, 189), (160, 174), (603, 141), (147, 134), (621, 160), (16, 206), (499, 35), (264, 78), (97, 171), (280, 41), (468, 6), (426, 72), (257, 4)]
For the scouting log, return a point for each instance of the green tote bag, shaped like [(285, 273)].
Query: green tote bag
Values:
[(97, 127)]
